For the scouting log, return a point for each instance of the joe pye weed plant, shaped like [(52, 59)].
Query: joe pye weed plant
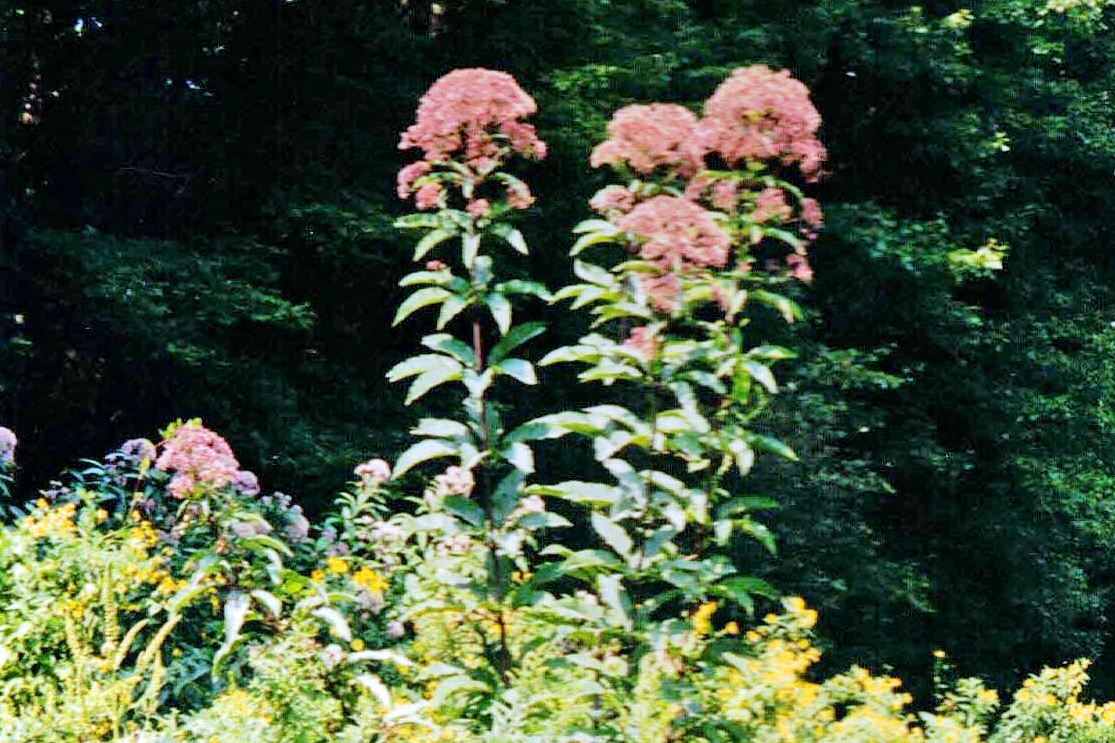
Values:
[(162, 597)]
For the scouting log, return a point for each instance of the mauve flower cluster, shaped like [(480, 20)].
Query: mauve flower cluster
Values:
[(675, 233), (373, 472), (199, 458), (454, 481), (643, 341), (472, 117), (8, 442), (652, 136), (759, 114)]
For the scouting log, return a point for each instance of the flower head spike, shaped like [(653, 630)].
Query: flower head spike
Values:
[(464, 109), (646, 137), (8, 443), (759, 114), (677, 233), (199, 458)]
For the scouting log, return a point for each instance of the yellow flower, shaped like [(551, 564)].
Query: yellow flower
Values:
[(700, 618), (371, 581), (102, 514), (358, 644), (731, 628), (939, 654), (336, 565), (317, 576)]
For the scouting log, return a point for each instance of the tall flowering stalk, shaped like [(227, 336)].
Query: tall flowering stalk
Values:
[(713, 227), (469, 127)]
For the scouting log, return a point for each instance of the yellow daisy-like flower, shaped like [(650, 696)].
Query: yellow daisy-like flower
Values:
[(336, 565), (317, 576), (357, 644)]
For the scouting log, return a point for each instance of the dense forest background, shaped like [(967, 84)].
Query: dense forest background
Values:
[(196, 200)]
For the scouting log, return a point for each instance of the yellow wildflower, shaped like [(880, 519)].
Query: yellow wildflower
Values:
[(336, 565), (371, 581), (700, 618), (317, 576)]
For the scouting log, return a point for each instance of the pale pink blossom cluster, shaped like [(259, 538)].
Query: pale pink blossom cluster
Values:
[(8, 442), (646, 137), (759, 114), (771, 206), (799, 267), (811, 213), (373, 472), (611, 201), (644, 342), (199, 458), (246, 483), (471, 117), (454, 481), (675, 233)]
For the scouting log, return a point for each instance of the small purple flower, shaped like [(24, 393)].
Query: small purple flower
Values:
[(138, 450), (298, 528), (246, 483), (8, 442)]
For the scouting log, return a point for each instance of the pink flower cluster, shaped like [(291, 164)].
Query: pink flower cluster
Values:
[(759, 114), (8, 444), (644, 342), (199, 458), (652, 136), (470, 116), (612, 200), (454, 481), (373, 472), (675, 233)]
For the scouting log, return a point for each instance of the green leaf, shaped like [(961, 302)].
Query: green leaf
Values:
[(789, 311), (614, 535), (273, 605), (418, 300), (575, 491), (771, 353), (336, 621), (439, 278), (445, 343), (511, 236), (470, 247), (593, 274), (520, 456), (772, 445), (762, 374), (430, 241), (418, 221), (745, 504), (583, 563), (519, 286), (465, 509), (418, 365), (235, 610), (506, 496), (421, 452), (441, 428), (450, 309), (740, 589), (519, 369), (516, 337), (610, 588), (428, 380), (501, 311), (760, 533)]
